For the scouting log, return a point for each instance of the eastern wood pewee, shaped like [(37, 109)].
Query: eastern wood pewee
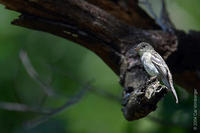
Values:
[(155, 65)]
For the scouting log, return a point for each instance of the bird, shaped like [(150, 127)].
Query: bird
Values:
[(155, 65)]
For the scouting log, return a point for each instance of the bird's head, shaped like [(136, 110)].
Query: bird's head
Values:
[(143, 47)]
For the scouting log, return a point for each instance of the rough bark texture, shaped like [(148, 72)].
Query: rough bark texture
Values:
[(111, 29)]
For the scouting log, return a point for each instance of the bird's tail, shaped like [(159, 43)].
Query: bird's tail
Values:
[(170, 86), (174, 92)]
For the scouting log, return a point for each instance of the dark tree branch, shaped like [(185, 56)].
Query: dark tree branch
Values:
[(112, 31)]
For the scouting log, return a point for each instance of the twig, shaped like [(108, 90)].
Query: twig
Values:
[(74, 100), (22, 108), (149, 7), (48, 89), (34, 75), (164, 21)]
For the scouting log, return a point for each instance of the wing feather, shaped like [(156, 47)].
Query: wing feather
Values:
[(165, 74)]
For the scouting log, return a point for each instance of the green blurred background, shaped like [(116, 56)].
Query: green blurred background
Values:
[(67, 67)]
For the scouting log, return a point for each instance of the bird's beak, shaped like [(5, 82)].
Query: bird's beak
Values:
[(136, 49)]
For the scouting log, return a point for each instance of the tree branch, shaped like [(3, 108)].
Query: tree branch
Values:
[(22, 108), (34, 75)]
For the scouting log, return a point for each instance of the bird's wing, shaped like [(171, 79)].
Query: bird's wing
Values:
[(159, 63), (165, 74)]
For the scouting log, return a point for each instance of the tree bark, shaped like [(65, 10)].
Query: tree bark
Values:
[(111, 29)]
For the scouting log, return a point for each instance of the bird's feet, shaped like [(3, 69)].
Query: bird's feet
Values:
[(152, 79)]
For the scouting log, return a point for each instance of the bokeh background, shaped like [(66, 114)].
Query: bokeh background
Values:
[(68, 67)]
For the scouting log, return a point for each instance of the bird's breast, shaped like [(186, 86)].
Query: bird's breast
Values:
[(148, 65)]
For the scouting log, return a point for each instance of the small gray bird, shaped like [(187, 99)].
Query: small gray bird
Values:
[(155, 65)]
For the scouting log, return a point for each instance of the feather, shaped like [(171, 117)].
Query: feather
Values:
[(164, 73)]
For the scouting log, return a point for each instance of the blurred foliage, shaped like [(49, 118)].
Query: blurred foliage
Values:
[(67, 67)]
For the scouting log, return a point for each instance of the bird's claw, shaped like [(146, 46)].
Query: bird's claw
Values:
[(152, 79)]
